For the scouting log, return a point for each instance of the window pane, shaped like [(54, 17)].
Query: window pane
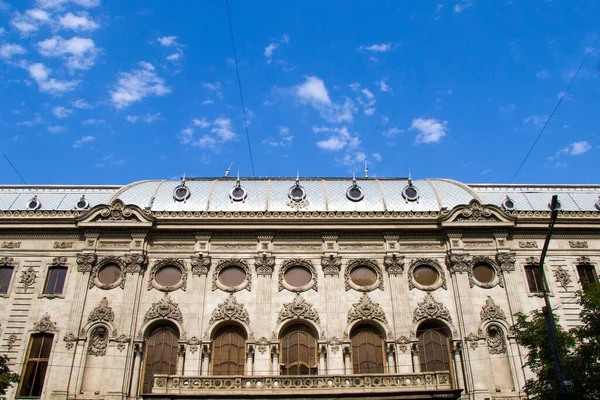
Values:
[(5, 275), (483, 273), (169, 275), (298, 350), (36, 364), (434, 351), (587, 273), (534, 278), (60, 280), (109, 274), (425, 275), (363, 276), (229, 350), (297, 276), (51, 281), (232, 276)]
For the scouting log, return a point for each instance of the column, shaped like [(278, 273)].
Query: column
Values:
[(414, 350), (391, 364), (249, 360), (180, 359), (205, 359), (322, 356), (456, 358), (138, 355), (275, 359), (332, 265), (347, 360), (200, 266)]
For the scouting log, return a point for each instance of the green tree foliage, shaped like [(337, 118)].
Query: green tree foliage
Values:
[(7, 378), (579, 348)]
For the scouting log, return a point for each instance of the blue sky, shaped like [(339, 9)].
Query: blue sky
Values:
[(107, 91)]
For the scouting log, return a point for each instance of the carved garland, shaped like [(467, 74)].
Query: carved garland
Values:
[(230, 310), (232, 262), (497, 280), (298, 309), (366, 309), (298, 262), (429, 308), (359, 262), (491, 312), (102, 313), (153, 283), (95, 281), (165, 309), (441, 282)]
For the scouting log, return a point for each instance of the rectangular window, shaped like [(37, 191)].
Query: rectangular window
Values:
[(5, 275), (535, 278), (587, 273), (55, 280), (36, 365)]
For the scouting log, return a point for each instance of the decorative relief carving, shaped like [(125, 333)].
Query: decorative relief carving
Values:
[(423, 246), (264, 265), (441, 282), (28, 277), (479, 244), (331, 265), (11, 245), (230, 310), (506, 261), (69, 340), (366, 309), (476, 212), (576, 244), (7, 262), (562, 277), (584, 260), (122, 342), (495, 340), (473, 340), (193, 344), (429, 308), (173, 246), (402, 343), (262, 344), (528, 244), (103, 312), (491, 312), (394, 264), (59, 262), (45, 325), (85, 262), (201, 265), (239, 247), (153, 283), (335, 344), (298, 309), (63, 245), (117, 211), (532, 261), (114, 244), (10, 342), (135, 263), (104, 261), (298, 262), (98, 342), (164, 308), (233, 262), (458, 263), (372, 264), (361, 246), (299, 247)]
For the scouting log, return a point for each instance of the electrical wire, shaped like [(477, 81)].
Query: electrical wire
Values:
[(564, 94), (13, 166), (237, 70)]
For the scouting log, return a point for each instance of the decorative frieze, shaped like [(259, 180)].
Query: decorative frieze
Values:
[(429, 308), (361, 247), (230, 310), (298, 309), (577, 244), (528, 244), (63, 245), (365, 309), (11, 245), (164, 309)]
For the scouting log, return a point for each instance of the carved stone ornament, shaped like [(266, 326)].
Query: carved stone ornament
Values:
[(584, 260), (164, 309), (28, 277), (117, 211), (498, 279), (11, 245), (298, 309), (45, 325), (63, 245), (135, 263), (562, 277), (302, 263), (262, 344), (576, 244), (506, 261), (103, 312), (232, 262), (7, 262), (441, 282), (98, 342), (476, 212), (528, 244), (429, 308), (122, 342), (532, 261), (331, 265), (193, 344), (264, 265), (496, 341), (335, 344), (171, 262), (200, 265), (458, 263), (473, 340), (85, 262), (69, 340), (402, 343), (363, 262), (366, 309), (104, 261), (394, 264), (230, 310), (59, 262), (10, 342), (490, 311)]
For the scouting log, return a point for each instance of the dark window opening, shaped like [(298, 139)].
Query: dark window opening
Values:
[(5, 275), (55, 281), (535, 278), (299, 351), (434, 348), (229, 351), (36, 365), (367, 350)]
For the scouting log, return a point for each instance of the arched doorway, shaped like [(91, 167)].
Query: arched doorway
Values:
[(434, 347), (160, 355), (367, 350), (229, 350), (299, 350)]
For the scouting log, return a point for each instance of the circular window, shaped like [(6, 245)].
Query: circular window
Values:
[(508, 204), (363, 276), (169, 275), (425, 275), (410, 193), (82, 204), (484, 273), (354, 193), (297, 276), (297, 193), (34, 204), (109, 274), (238, 193), (232, 276), (598, 204), (181, 193)]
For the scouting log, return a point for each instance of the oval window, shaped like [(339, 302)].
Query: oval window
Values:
[(109, 274), (363, 276), (483, 273), (169, 275), (425, 275), (232, 276), (297, 276)]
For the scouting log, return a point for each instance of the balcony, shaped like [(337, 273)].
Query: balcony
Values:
[(428, 385)]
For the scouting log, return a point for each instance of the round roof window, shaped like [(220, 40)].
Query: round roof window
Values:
[(238, 193), (34, 204), (508, 204), (82, 204), (410, 193), (297, 193), (355, 193), (181, 193)]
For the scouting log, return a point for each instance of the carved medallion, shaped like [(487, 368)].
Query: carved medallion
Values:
[(331, 265), (10, 342), (490, 311), (98, 342), (335, 344), (298, 309), (193, 344), (262, 344), (102, 312), (45, 325), (429, 308), (562, 277), (28, 278), (230, 310), (366, 309), (200, 265), (164, 308), (402, 343)]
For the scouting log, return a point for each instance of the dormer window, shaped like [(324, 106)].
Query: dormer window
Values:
[(508, 204), (238, 193), (34, 204), (410, 192), (181, 192), (297, 192), (82, 204), (354, 192)]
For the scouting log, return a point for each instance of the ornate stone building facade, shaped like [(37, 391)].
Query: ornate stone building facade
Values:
[(379, 288)]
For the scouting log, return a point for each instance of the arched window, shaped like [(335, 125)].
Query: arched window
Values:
[(367, 350), (434, 347), (160, 354), (38, 353), (229, 350), (299, 350)]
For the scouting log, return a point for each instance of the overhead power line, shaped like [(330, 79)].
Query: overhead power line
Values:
[(13, 166), (237, 70), (564, 94)]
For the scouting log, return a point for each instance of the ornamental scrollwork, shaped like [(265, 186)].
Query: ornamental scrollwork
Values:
[(230, 310), (577, 244), (10, 342), (170, 262), (441, 282), (496, 341), (117, 211), (164, 308), (532, 261), (528, 244), (562, 277), (584, 260), (491, 312), (103, 312), (85, 262), (302, 263), (232, 262), (363, 262), (121, 342), (7, 262), (45, 325), (28, 278), (506, 261), (193, 344), (135, 263), (476, 212), (104, 261), (394, 264), (298, 309), (264, 265), (201, 265), (430, 308), (403, 343), (331, 265), (473, 340), (366, 309), (59, 262), (458, 263), (69, 340), (262, 344), (98, 342)]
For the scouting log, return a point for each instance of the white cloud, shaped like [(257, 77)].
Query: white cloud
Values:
[(168, 41), (392, 132), (202, 123), (220, 131), (542, 74), (562, 94), (61, 112), (135, 85), (38, 15), (460, 7), (313, 90), (430, 130), (376, 48), (131, 119), (366, 98), (185, 136), (377, 156), (214, 87), (283, 140), (174, 56), (79, 53), (82, 104), (79, 22), (171, 41), (577, 148), (271, 47), (37, 119), (383, 86), (92, 121), (50, 4), (41, 75), (339, 138), (222, 128), (56, 129), (536, 121), (150, 118), (83, 140), (9, 50), (207, 102), (2, 30)]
